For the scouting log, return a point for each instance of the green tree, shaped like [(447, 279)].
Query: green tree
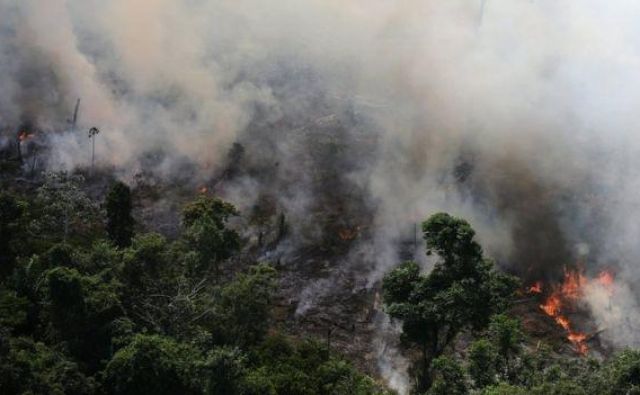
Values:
[(67, 310), (506, 335), (153, 364), (79, 311), (531, 366), (504, 389), (448, 378), (63, 207), (162, 293), (482, 363), (242, 308), (103, 258), (462, 291), (225, 369), (60, 254), (303, 368), (622, 373), (13, 310), (120, 223), (28, 367), (561, 387), (205, 221), (145, 260), (11, 210), (337, 377), (258, 382), (205, 206)]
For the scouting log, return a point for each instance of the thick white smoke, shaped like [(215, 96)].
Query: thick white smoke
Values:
[(533, 101)]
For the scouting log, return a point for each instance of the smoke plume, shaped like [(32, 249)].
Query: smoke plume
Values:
[(519, 117)]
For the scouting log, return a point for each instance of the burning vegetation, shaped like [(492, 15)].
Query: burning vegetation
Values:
[(347, 234), (24, 136), (334, 152), (565, 299)]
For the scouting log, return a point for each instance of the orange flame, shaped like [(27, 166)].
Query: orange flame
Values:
[(562, 297), (349, 234), (577, 337), (24, 135), (552, 305), (573, 285), (566, 295), (605, 279), (203, 189), (564, 322), (535, 288)]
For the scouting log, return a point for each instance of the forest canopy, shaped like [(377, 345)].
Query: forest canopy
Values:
[(90, 303)]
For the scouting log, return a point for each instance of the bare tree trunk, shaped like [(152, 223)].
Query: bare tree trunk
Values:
[(66, 224), (93, 152), (74, 120), (425, 382)]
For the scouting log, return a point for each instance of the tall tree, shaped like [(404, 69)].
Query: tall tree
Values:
[(207, 233), (462, 291), (482, 363), (506, 335), (119, 220), (80, 310), (10, 212), (64, 207), (242, 309), (448, 378), (152, 364), (30, 367)]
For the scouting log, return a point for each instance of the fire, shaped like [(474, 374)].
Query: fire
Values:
[(579, 341), (349, 234), (605, 279), (577, 338), (552, 305), (564, 322), (24, 135), (564, 297), (573, 285), (535, 288), (203, 189)]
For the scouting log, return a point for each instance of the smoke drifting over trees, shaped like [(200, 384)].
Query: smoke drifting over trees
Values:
[(520, 117)]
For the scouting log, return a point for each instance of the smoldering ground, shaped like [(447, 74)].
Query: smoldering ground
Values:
[(519, 117)]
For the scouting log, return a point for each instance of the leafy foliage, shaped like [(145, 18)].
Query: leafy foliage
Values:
[(119, 221), (13, 310), (79, 310), (123, 313), (152, 364), (32, 367), (64, 209), (11, 210), (206, 231), (535, 371), (84, 311), (623, 373), (305, 368), (462, 291), (482, 363), (225, 369), (242, 308), (449, 378), (435, 307)]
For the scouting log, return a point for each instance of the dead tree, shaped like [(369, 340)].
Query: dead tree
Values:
[(74, 119), (92, 135)]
